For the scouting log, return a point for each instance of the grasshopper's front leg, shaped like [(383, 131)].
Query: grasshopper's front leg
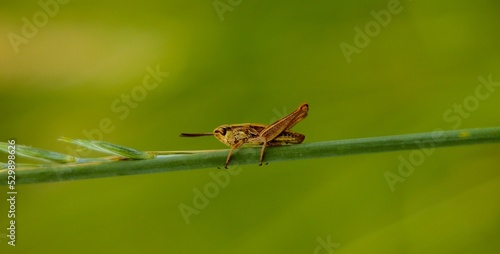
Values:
[(237, 145)]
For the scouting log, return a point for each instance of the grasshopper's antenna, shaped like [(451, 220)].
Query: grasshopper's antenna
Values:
[(196, 134)]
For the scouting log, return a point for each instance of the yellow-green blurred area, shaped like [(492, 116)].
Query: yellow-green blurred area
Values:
[(98, 70)]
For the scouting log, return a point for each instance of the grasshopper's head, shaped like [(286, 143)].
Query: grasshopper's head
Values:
[(221, 134)]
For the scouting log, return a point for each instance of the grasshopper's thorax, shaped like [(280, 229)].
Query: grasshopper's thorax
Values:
[(232, 134)]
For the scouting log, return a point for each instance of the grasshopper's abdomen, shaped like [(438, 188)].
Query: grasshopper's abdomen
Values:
[(286, 138)]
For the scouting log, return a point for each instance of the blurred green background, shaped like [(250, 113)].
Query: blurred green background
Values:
[(64, 67)]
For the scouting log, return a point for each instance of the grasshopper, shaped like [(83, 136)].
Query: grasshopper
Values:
[(275, 134)]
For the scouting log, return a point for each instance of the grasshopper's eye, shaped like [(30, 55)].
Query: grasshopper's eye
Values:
[(220, 131)]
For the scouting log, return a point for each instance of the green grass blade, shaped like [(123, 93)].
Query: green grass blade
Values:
[(213, 159)]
